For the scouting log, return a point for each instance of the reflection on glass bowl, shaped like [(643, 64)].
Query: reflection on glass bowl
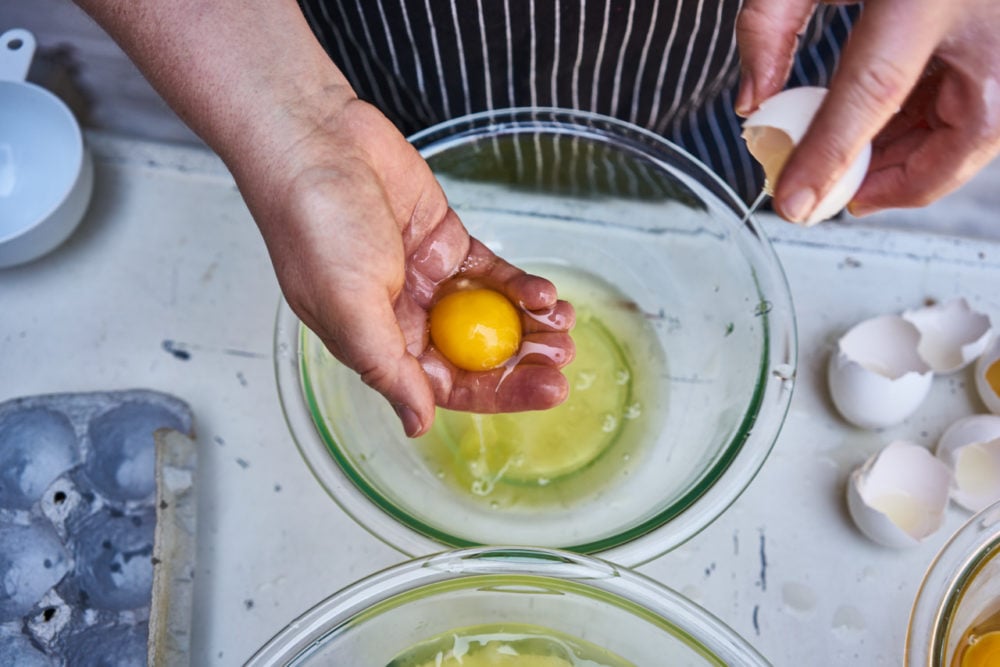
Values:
[(598, 604), (687, 301), (958, 602)]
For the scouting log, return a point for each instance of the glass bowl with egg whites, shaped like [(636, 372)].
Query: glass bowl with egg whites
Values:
[(686, 353), (495, 606)]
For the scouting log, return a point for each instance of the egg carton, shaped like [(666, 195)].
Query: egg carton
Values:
[(97, 529)]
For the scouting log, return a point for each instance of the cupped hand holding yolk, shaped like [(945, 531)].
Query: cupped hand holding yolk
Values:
[(476, 329)]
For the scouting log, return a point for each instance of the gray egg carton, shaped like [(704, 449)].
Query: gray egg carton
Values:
[(96, 529)]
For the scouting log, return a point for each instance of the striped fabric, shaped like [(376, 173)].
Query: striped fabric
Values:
[(668, 65)]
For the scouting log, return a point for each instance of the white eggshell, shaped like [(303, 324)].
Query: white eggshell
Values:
[(778, 126), (971, 448), (952, 334), (876, 377), (988, 377), (898, 496)]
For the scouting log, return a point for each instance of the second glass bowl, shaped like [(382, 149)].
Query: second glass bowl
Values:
[(565, 600), (959, 597), (570, 193)]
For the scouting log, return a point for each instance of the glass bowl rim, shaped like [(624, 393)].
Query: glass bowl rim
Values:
[(663, 607), (944, 584), (739, 460)]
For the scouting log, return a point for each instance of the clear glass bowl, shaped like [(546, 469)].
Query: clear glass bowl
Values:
[(549, 189), (960, 589), (379, 617)]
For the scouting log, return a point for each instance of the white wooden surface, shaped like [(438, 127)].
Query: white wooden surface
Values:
[(168, 253)]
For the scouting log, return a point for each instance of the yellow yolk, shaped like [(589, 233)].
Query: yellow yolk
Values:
[(984, 652), (476, 329), (993, 376)]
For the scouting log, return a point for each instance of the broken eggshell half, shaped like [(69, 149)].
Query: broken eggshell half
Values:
[(988, 377), (952, 334), (971, 448), (778, 125), (875, 375), (898, 497)]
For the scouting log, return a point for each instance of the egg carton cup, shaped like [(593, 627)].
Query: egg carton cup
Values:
[(97, 528)]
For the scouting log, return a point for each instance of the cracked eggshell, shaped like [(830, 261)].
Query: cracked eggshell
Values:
[(952, 334), (971, 448), (875, 375), (988, 377), (898, 497), (778, 125)]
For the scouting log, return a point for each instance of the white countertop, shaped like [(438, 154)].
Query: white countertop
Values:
[(168, 257)]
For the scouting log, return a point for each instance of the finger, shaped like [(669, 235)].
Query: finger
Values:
[(536, 296), (918, 168), (531, 292), (559, 318), (547, 349), (767, 34), (372, 344), (555, 349), (438, 257), (888, 50), (523, 387)]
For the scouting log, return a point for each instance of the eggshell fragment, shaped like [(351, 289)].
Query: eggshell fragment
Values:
[(778, 125), (898, 496), (988, 377), (876, 377), (971, 448), (952, 334)]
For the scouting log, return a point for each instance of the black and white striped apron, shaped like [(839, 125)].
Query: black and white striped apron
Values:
[(670, 66)]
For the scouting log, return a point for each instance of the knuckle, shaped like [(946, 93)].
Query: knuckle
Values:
[(881, 84), (751, 20), (379, 377)]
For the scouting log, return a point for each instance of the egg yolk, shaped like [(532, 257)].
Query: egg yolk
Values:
[(984, 652), (475, 329), (993, 376)]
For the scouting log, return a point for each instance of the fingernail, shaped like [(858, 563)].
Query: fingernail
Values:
[(411, 423), (744, 98), (860, 210), (798, 205)]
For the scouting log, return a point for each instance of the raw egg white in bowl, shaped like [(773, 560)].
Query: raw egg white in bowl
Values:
[(685, 354)]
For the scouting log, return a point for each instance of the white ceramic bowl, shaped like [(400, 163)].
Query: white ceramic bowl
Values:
[(46, 175)]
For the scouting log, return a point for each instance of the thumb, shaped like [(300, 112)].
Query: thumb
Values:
[(370, 342), (767, 36)]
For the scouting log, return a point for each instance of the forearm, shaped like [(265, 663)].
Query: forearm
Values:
[(248, 76)]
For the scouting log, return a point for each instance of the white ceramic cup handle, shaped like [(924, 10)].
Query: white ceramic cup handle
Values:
[(17, 47)]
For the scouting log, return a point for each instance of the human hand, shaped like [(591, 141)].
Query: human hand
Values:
[(361, 235), (920, 79), (358, 229)]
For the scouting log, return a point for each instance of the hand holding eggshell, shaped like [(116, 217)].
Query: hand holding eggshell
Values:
[(915, 80), (776, 128)]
